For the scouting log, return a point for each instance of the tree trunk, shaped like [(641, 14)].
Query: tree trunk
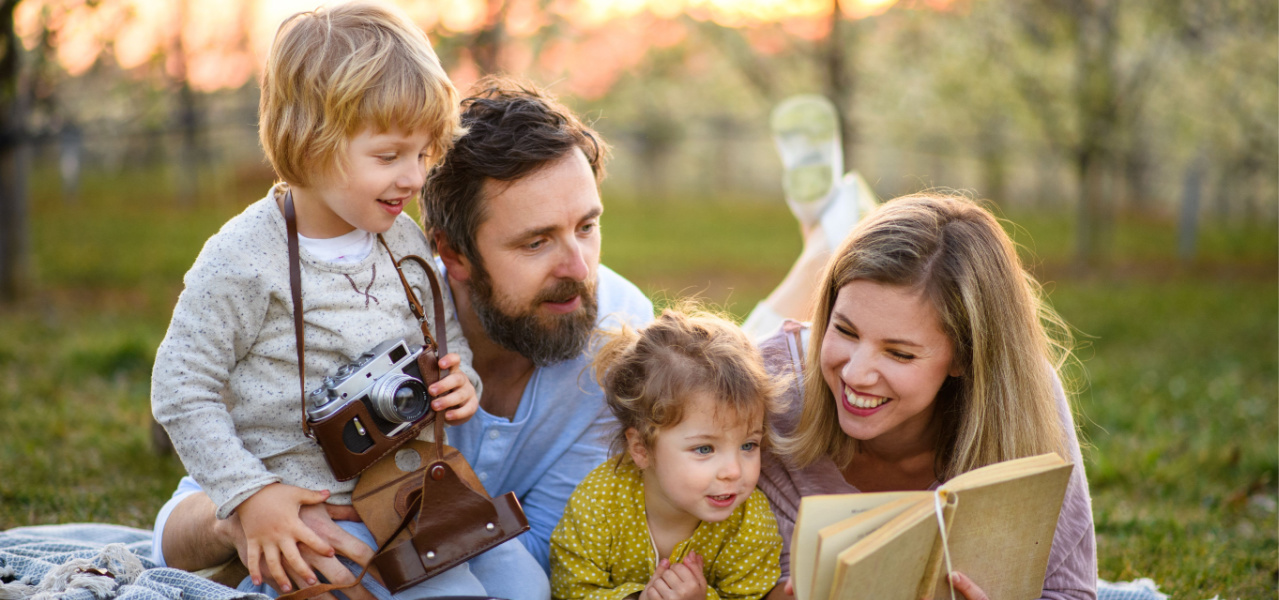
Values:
[(487, 47), (994, 164), (1088, 234), (13, 162), (840, 81)]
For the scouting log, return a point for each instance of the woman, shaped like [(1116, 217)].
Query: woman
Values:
[(930, 356)]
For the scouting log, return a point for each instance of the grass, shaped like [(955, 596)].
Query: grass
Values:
[(1178, 381)]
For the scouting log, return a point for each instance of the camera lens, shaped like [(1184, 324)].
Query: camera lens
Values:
[(400, 398)]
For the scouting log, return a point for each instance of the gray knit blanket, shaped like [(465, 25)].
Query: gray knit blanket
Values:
[(88, 561), (95, 562)]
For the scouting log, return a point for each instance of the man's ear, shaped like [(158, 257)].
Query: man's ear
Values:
[(458, 267), (636, 448)]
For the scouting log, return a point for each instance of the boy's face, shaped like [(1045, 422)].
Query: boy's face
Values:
[(702, 468), (383, 173)]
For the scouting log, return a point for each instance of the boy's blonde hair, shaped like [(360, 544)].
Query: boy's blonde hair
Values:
[(1006, 338), (335, 71), (649, 375)]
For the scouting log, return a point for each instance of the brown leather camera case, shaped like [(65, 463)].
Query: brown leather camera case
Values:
[(387, 495)]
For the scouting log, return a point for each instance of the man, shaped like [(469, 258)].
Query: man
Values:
[(514, 210)]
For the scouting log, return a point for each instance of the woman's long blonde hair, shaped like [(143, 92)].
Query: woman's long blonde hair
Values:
[(1007, 340)]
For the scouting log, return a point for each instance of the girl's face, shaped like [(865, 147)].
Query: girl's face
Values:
[(702, 468), (884, 357)]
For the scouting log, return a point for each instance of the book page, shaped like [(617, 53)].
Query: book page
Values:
[(1004, 471), (817, 512), (889, 563), (834, 539), (1001, 533)]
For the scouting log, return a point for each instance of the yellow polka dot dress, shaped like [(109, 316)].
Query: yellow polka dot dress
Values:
[(602, 549)]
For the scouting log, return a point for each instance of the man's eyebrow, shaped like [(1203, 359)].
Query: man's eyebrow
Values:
[(532, 233), (549, 229)]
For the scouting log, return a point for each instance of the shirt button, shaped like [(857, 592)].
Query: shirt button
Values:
[(493, 434), (483, 475)]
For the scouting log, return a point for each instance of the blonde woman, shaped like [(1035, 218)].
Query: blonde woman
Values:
[(930, 355)]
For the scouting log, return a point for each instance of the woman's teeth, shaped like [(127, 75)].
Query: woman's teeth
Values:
[(863, 401)]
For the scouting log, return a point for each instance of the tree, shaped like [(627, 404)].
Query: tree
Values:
[(13, 201)]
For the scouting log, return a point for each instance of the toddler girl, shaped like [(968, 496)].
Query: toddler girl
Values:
[(672, 515)]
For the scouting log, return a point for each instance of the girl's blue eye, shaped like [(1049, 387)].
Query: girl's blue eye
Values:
[(750, 446), (703, 450)]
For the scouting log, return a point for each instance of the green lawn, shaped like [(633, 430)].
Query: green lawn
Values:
[(1177, 399)]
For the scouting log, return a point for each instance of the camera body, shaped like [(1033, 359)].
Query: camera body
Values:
[(371, 406)]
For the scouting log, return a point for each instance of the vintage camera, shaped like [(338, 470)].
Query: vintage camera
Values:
[(370, 407)]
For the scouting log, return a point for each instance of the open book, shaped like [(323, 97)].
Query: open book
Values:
[(999, 522)]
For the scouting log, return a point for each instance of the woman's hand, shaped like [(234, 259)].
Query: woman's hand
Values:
[(965, 586), (454, 392)]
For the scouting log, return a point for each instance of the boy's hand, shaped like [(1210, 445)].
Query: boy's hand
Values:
[(454, 392), (273, 530), (679, 581), (321, 519)]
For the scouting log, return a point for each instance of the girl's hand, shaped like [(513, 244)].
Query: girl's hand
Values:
[(454, 392), (679, 581), (965, 586), (273, 529)]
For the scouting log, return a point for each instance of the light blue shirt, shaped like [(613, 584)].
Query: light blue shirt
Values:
[(560, 432), (561, 429)]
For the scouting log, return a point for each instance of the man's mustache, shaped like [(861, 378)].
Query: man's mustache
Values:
[(563, 291)]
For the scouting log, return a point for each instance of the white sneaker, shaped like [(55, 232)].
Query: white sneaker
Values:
[(806, 130), (853, 201)]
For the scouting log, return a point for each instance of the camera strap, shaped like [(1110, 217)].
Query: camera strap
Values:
[(440, 340), (295, 287)]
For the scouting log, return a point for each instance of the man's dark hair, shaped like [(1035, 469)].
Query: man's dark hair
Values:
[(513, 129)]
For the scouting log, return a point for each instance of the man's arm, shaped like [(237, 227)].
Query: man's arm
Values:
[(193, 538)]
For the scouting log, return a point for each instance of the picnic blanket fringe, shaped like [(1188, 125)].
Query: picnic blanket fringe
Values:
[(95, 562)]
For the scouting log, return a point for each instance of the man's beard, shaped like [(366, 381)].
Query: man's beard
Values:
[(545, 340)]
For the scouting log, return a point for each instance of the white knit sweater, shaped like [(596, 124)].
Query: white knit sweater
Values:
[(225, 382)]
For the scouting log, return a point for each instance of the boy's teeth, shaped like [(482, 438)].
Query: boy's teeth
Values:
[(861, 402)]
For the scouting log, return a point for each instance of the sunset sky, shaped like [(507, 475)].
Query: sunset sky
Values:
[(226, 40)]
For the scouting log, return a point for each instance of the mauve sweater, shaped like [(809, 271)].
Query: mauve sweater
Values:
[(1072, 563)]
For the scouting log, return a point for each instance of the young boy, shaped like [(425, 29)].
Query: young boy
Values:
[(354, 104)]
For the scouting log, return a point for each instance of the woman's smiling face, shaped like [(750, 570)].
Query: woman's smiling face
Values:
[(884, 357)]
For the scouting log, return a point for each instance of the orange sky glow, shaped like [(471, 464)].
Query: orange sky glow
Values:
[(225, 41)]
